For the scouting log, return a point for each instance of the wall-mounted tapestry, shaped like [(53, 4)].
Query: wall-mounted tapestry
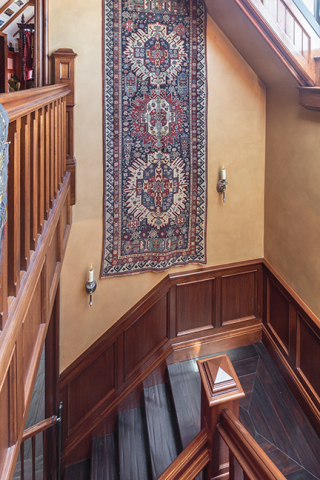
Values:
[(4, 159), (155, 136)]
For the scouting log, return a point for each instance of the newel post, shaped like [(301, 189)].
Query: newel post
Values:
[(220, 388), (64, 72)]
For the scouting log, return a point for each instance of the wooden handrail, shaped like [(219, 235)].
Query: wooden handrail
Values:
[(191, 460), (24, 102), (40, 427), (250, 456)]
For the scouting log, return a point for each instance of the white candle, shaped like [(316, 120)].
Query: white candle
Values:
[(223, 173), (91, 274)]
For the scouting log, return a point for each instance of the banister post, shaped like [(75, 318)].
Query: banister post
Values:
[(64, 72), (220, 388)]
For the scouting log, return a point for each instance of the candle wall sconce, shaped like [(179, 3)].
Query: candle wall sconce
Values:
[(222, 183), (91, 285)]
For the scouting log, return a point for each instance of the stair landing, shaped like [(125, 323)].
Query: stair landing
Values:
[(269, 411)]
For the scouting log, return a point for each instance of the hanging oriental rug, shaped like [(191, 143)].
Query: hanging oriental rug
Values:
[(155, 109)]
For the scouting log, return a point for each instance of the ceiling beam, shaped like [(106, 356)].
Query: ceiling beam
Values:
[(5, 6), (16, 15)]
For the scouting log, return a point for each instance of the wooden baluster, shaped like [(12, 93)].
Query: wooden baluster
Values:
[(22, 461), (59, 143), (41, 199), (64, 138), (51, 154), (25, 192), (33, 443), (220, 388), (56, 149), (47, 161), (34, 181), (14, 209), (4, 283)]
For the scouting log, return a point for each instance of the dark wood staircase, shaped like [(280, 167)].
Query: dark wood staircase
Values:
[(150, 438)]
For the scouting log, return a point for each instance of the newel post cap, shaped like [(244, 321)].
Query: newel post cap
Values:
[(219, 379)]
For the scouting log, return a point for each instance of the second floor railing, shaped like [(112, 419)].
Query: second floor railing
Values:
[(37, 230), (36, 170)]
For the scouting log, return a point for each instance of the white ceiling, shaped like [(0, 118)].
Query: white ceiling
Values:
[(11, 30)]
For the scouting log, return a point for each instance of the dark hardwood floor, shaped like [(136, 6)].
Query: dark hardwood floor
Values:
[(274, 418), (269, 412)]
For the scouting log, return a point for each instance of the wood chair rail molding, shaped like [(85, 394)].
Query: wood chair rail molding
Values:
[(38, 227)]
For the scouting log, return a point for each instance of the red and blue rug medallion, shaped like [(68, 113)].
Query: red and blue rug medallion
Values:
[(155, 136)]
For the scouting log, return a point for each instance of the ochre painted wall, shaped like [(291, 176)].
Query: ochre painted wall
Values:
[(292, 198), (236, 137)]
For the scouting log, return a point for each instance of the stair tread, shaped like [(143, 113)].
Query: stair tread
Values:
[(186, 390), (134, 457), (162, 429), (104, 458)]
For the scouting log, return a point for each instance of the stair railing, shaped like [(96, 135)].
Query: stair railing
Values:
[(36, 171), (245, 455), (38, 225), (31, 433), (223, 449)]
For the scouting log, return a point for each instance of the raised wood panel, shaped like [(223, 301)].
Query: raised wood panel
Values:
[(146, 334), (195, 306), (308, 355), (289, 323), (31, 327), (239, 297), (149, 336), (91, 387), (278, 318)]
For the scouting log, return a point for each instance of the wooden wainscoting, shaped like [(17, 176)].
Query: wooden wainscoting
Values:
[(184, 316), (291, 333)]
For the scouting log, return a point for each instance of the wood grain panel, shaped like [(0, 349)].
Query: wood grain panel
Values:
[(147, 338), (238, 297), (278, 315), (308, 354), (146, 334), (92, 386), (31, 326), (195, 306), (4, 414), (53, 256)]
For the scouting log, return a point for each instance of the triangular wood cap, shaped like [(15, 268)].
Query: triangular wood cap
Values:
[(219, 379)]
